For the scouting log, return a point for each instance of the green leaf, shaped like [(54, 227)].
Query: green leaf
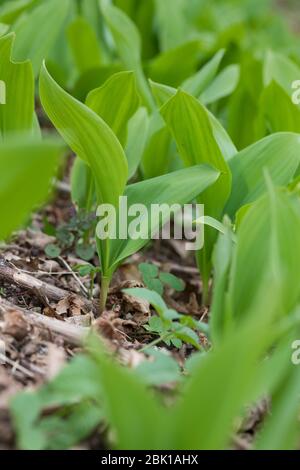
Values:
[(158, 144), (221, 388), (222, 258), (152, 297), (270, 230), (155, 325), (82, 187), (191, 128), (187, 335), (10, 11), (173, 281), (196, 84), (34, 42), (85, 252), (17, 115), (223, 85), (281, 429), (281, 69), (136, 139), (245, 102), (85, 269), (162, 93), (115, 102), (25, 410), (190, 182), (141, 410), (248, 166), (172, 29), (84, 44), (52, 251), (147, 269), (128, 43), (164, 67), (75, 393), (26, 169), (162, 369), (89, 137), (277, 111), (153, 284), (79, 423)]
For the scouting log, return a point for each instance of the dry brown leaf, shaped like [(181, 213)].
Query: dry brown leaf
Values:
[(16, 325), (70, 306), (133, 303)]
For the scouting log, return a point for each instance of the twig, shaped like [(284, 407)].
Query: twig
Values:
[(29, 282), (15, 366), (73, 334), (82, 286)]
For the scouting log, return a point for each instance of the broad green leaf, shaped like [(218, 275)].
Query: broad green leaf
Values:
[(164, 67), (91, 11), (89, 137), (281, 430), (222, 257), (267, 257), (136, 139), (190, 182), (247, 168), (223, 85), (4, 28), (78, 387), (245, 102), (17, 114), (34, 42), (192, 130), (196, 84), (277, 111), (172, 281), (128, 43), (126, 400), (157, 154), (281, 69), (125, 33), (10, 11), (84, 44), (94, 78), (173, 29), (26, 169), (115, 102), (220, 385), (222, 138), (187, 335), (161, 369), (163, 93), (82, 185)]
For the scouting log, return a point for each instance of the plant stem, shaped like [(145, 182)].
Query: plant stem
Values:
[(155, 342), (105, 282)]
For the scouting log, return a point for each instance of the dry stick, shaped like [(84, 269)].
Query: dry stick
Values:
[(74, 335), (15, 366), (66, 265), (29, 282)]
